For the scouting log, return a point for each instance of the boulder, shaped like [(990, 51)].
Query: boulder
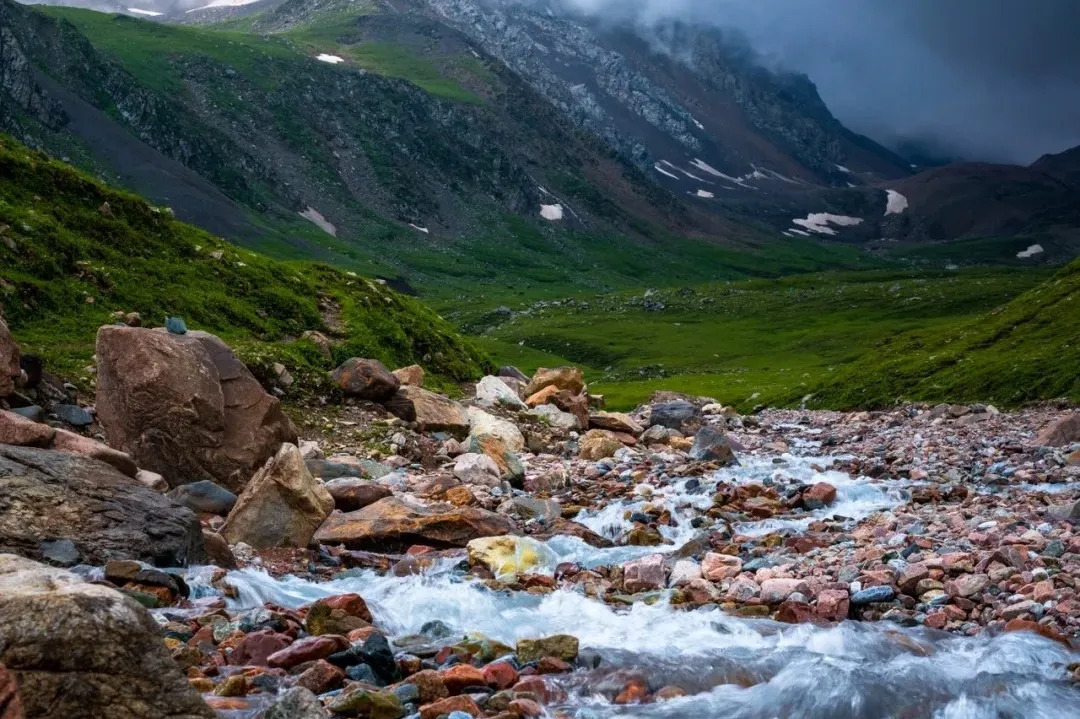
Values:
[(532, 508), (351, 493), (86, 651), (615, 422), (478, 469), (494, 392), (552, 415), (1061, 432), (366, 379), (511, 372), (433, 412), (204, 497), (560, 646), (22, 432), (185, 407), (10, 372), (598, 444), (718, 567), (482, 423), (819, 495), (393, 523), (281, 506), (47, 496), (672, 414), (509, 555), (412, 375), (567, 378), (711, 445), (153, 480)]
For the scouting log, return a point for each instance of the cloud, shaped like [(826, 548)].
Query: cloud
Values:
[(985, 79)]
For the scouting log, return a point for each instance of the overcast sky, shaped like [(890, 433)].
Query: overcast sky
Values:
[(988, 79)]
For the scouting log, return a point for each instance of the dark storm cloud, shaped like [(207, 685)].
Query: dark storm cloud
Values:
[(986, 79)]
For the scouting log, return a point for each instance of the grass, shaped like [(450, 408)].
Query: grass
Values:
[(770, 341), (73, 251)]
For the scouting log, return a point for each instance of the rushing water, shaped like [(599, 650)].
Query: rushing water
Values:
[(730, 667)]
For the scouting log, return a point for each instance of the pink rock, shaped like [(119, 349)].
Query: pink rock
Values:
[(255, 648), (909, 579), (1044, 591), (774, 591), (717, 567), (957, 562), (742, 590), (821, 494), (66, 441), (645, 574), (967, 585)]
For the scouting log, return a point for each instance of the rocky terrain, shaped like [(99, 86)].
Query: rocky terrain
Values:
[(183, 545)]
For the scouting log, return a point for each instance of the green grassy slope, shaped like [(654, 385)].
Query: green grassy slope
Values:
[(744, 343), (73, 251), (1025, 350)]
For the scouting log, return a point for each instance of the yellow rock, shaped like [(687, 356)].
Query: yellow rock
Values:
[(509, 555)]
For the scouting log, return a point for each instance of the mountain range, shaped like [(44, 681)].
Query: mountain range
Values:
[(446, 143)]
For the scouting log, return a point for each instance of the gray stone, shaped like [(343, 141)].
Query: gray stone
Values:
[(296, 703), (712, 445), (672, 414), (204, 497), (73, 414), (62, 552), (33, 413), (47, 496), (85, 651), (326, 469), (873, 594)]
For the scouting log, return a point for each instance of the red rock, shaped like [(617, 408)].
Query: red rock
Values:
[(535, 686), (909, 579), (553, 665), (525, 708), (255, 648), (500, 675), (644, 574), (429, 684), (967, 585), (450, 704), (366, 379), (819, 495), (307, 650), (352, 604), (634, 692), (321, 677), (833, 604), (794, 613), (1044, 591), (10, 706), (1025, 625), (1060, 432), (66, 441), (937, 620), (462, 676)]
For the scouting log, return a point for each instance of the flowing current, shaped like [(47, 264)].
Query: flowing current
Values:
[(730, 667)]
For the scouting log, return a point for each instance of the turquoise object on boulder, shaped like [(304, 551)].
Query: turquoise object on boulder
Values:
[(176, 325)]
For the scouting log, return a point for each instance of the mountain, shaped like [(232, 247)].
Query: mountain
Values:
[(74, 251), (447, 145)]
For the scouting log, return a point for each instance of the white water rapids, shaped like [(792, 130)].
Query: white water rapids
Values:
[(731, 667)]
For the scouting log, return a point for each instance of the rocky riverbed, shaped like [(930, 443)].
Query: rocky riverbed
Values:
[(522, 552)]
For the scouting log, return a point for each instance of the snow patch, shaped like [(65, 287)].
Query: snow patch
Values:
[(699, 125), (551, 212), (844, 169), (662, 171), (315, 217), (819, 222), (706, 194), (332, 59), (147, 13), (223, 3), (1030, 252), (419, 229), (793, 231), (896, 203)]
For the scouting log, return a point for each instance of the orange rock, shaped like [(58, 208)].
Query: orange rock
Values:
[(525, 708), (500, 675), (462, 676), (634, 692), (450, 704), (429, 684), (1026, 625)]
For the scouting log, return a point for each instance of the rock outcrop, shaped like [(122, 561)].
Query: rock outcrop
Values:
[(281, 506), (185, 407), (394, 523), (433, 412), (366, 379), (47, 496), (85, 651)]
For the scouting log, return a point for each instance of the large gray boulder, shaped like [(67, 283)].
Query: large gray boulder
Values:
[(47, 496), (185, 407), (86, 651)]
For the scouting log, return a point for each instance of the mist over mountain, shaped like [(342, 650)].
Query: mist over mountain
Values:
[(995, 80)]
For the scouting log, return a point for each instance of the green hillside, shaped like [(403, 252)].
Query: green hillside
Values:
[(1026, 350), (73, 251)]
